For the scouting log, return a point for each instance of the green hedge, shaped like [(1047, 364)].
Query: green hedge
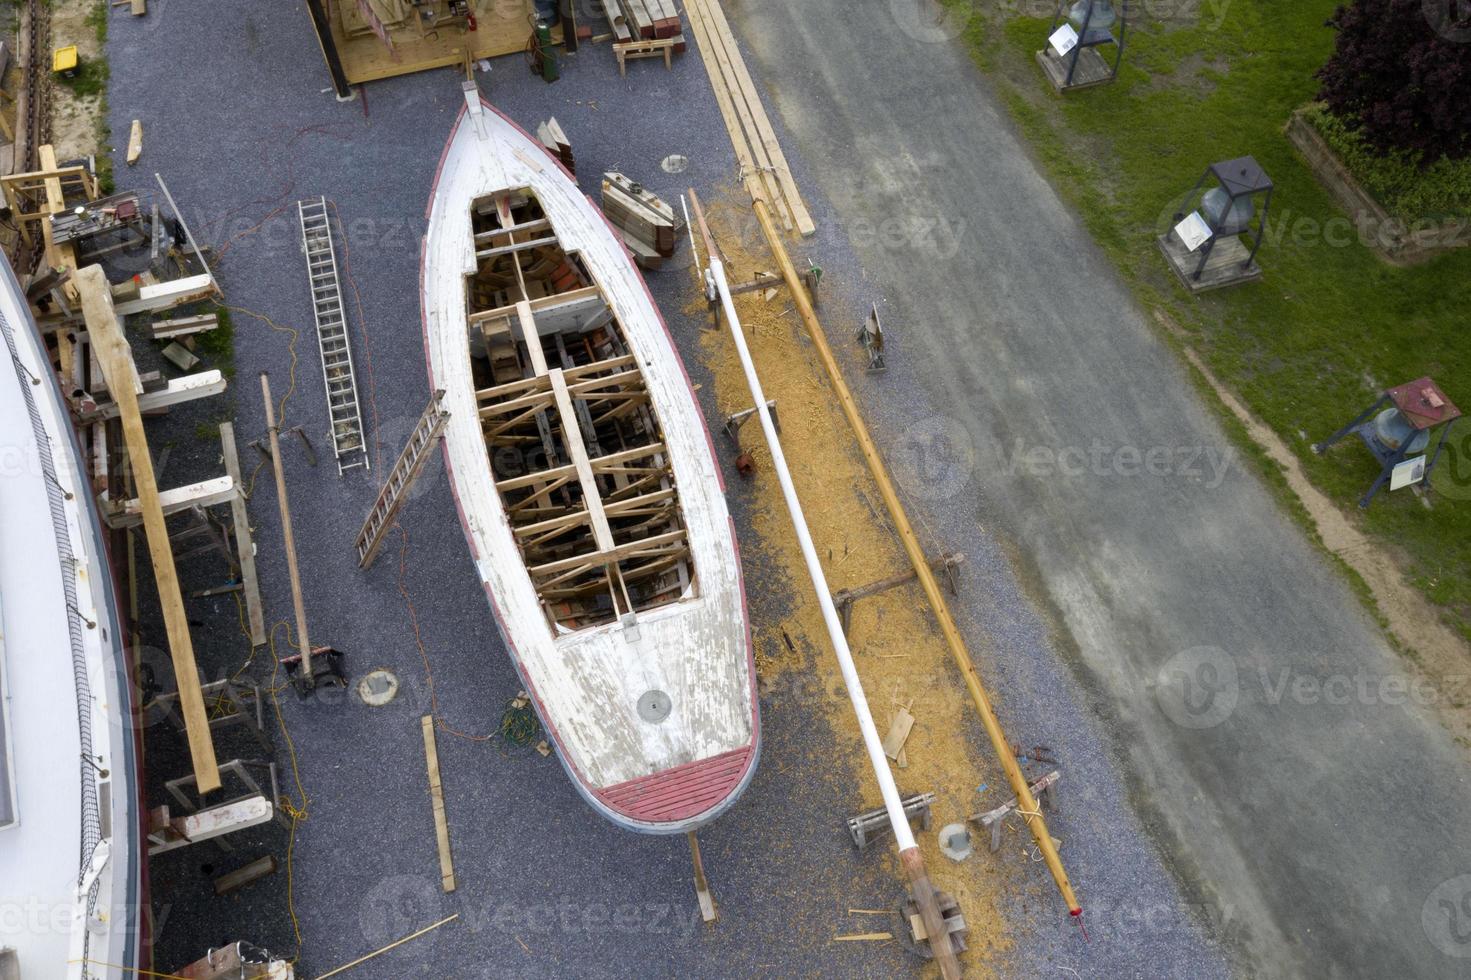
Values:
[(1397, 181)]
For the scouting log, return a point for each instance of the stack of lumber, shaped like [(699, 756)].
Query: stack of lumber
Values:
[(647, 20), (763, 165), (549, 134), (646, 224)]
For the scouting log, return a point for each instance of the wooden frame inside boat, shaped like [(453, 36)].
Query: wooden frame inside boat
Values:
[(575, 446)]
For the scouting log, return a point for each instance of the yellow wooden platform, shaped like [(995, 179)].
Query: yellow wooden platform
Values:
[(502, 27)]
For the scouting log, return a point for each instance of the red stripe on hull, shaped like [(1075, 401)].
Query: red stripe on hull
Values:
[(680, 793)]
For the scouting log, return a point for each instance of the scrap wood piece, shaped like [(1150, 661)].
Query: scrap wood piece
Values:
[(116, 359), (391, 946), (899, 730), (436, 794), (135, 142), (232, 881), (864, 937)]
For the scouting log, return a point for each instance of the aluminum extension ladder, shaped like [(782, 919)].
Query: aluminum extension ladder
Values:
[(391, 498), (342, 389)]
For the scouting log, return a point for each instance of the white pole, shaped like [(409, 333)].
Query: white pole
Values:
[(903, 836)]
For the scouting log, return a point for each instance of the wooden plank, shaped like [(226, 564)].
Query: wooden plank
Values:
[(116, 359), (751, 174), (531, 337), (162, 295), (205, 493), (233, 881), (899, 730), (183, 326), (135, 142), (140, 7), (721, 30), (572, 436), (244, 544), (599, 465), (436, 794), (184, 389)]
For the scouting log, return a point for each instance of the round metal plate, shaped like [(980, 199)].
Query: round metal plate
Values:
[(675, 163), (378, 688), (654, 706)]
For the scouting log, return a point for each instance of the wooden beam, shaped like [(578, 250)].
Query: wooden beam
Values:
[(205, 493), (572, 436), (629, 550), (244, 543), (163, 295), (116, 358), (288, 538), (531, 337), (184, 389), (600, 464), (436, 795)]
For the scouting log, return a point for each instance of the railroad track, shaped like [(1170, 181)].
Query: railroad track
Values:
[(33, 107)]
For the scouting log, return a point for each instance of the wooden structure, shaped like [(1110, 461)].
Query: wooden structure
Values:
[(764, 169), (365, 40), (1043, 790), (587, 484), (646, 224), (116, 359), (1229, 264)]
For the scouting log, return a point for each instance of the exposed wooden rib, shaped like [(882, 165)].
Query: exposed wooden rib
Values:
[(540, 383), (572, 436), (542, 494), (600, 464), (630, 550)]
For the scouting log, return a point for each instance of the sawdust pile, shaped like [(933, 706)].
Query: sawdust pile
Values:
[(900, 654)]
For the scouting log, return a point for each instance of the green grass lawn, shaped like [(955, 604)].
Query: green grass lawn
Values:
[(1311, 345)]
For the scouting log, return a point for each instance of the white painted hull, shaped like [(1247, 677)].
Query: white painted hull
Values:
[(682, 771), (70, 856)]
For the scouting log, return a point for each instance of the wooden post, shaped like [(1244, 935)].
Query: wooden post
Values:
[(244, 542), (116, 358), (702, 887), (290, 539)]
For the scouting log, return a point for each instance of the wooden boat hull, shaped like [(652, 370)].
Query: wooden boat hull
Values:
[(69, 760), (587, 485)]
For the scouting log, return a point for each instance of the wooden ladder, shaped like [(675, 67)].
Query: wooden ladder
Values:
[(395, 488), (342, 391)]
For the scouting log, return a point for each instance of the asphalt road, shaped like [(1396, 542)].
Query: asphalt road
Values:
[(1280, 752)]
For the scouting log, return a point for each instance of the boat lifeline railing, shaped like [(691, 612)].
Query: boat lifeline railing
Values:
[(57, 501)]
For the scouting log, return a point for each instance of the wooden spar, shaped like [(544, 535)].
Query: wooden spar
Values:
[(1031, 813), (436, 798), (116, 359), (286, 535), (924, 893)]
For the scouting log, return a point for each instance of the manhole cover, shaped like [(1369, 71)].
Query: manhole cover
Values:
[(675, 163), (378, 688), (654, 706)]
